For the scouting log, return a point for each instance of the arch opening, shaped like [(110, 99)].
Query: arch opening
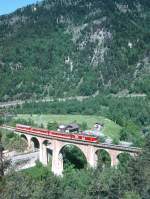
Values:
[(73, 156), (124, 158), (23, 142), (103, 159), (23, 137), (46, 143), (35, 144)]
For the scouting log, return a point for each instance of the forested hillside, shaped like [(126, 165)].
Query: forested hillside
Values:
[(75, 47)]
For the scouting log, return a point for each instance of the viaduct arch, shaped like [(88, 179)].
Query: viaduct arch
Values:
[(80, 162), (54, 146), (102, 156), (35, 143)]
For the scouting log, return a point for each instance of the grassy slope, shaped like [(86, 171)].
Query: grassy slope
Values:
[(37, 172), (110, 128)]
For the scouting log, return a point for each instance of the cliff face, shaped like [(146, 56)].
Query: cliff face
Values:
[(75, 47)]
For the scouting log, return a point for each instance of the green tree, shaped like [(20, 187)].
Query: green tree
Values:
[(52, 125), (84, 126), (4, 164), (131, 195), (1, 120), (1, 158)]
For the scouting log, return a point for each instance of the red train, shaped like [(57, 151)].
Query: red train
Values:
[(38, 131)]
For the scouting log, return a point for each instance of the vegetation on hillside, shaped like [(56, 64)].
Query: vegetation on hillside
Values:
[(65, 47), (12, 142)]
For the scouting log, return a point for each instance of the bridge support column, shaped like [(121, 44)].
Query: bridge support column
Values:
[(91, 157), (57, 159), (29, 148), (113, 154), (43, 154)]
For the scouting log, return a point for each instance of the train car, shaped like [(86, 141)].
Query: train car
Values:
[(38, 131), (21, 127), (60, 135), (29, 129), (86, 138), (80, 137)]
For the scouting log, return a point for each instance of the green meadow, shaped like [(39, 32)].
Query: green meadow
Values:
[(110, 128)]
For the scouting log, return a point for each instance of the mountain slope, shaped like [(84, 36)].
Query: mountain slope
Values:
[(75, 47)]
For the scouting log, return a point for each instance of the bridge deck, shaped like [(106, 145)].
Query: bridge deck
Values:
[(99, 145)]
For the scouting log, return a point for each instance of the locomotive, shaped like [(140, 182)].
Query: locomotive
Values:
[(56, 134)]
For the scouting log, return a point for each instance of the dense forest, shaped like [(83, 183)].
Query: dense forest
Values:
[(75, 47)]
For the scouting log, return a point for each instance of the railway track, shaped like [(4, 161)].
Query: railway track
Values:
[(100, 145)]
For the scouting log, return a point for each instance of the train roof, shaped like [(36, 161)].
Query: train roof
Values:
[(22, 125)]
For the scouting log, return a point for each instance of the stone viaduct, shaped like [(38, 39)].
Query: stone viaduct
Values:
[(54, 146)]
